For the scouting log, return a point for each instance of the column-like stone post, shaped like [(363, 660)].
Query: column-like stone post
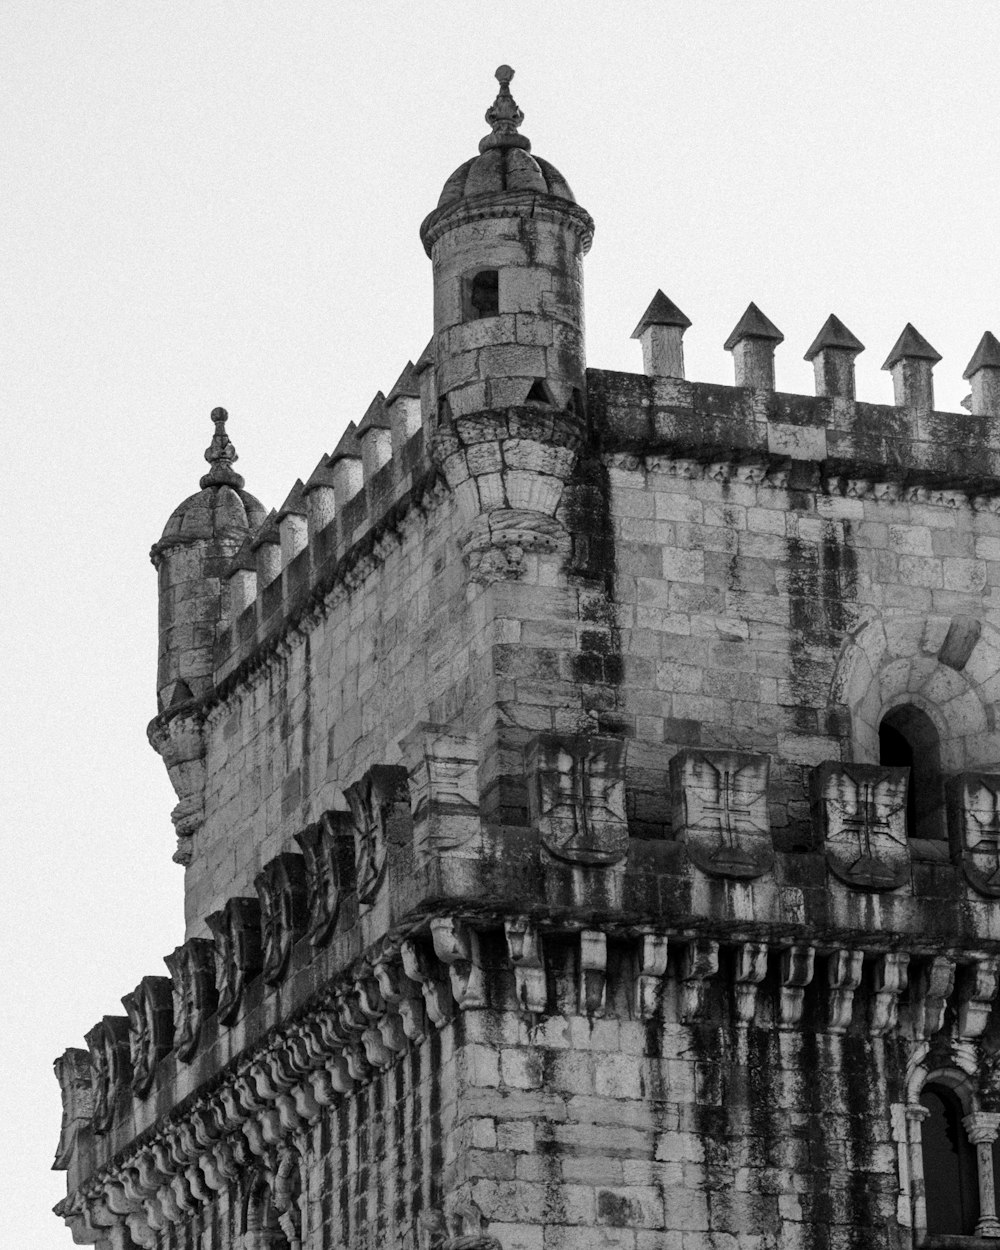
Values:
[(320, 497), (403, 406), (916, 1113), (375, 437), (345, 465), (661, 333), (911, 363), (266, 547), (241, 581), (832, 353), (983, 1128), (293, 526), (425, 371), (752, 343), (983, 374)]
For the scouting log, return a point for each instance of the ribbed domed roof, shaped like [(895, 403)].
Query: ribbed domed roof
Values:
[(222, 509), (504, 162)]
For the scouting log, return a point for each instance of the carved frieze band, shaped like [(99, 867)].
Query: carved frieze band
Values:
[(365, 1021)]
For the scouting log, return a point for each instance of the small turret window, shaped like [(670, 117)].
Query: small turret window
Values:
[(482, 295)]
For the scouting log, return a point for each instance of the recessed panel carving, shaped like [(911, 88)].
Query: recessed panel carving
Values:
[(861, 812), (719, 801)]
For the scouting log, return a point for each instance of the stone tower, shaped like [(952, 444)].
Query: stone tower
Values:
[(589, 799)]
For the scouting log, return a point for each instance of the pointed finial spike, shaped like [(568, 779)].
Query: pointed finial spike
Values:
[(911, 345), (986, 355), (221, 454), (834, 334), (662, 311)]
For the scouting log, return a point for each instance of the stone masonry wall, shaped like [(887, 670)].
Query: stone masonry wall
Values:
[(396, 650)]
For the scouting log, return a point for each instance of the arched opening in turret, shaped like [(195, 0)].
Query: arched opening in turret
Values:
[(539, 393), (907, 738), (949, 1162), (482, 295)]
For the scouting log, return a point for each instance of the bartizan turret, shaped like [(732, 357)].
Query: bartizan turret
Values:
[(198, 542), (507, 241)]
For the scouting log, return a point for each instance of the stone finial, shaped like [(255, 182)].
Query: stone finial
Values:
[(426, 373), (752, 343), (661, 333), (345, 464), (983, 373), (832, 353), (375, 437), (293, 526), (220, 455), (504, 117), (911, 363)]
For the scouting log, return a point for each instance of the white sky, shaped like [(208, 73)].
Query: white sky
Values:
[(210, 202)]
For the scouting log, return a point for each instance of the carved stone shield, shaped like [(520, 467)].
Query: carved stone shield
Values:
[(237, 952), (577, 798), (281, 888), (192, 973), (328, 849), (151, 1027), (109, 1054), (861, 811), (719, 803), (974, 829), (444, 791), (380, 805)]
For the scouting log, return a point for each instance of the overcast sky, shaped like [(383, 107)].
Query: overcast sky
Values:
[(210, 202)]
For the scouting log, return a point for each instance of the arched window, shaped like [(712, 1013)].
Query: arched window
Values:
[(482, 295), (949, 1164), (907, 738)]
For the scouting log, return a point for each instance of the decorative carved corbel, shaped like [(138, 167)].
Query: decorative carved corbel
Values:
[(328, 850), (75, 1074), (593, 972), (380, 806), (524, 946), (844, 977), (933, 987), (109, 1055), (797, 963), (402, 996), (890, 981), (237, 952), (192, 973), (151, 1028), (456, 944), (701, 961), (180, 742), (751, 969), (653, 952), (977, 990), (419, 966), (281, 888)]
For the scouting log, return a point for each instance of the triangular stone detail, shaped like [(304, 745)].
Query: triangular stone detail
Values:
[(243, 559), (426, 358), (268, 532), (348, 448), (376, 417), (753, 325), (986, 355), (661, 312), (911, 345), (295, 504), (406, 385), (835, 335)]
